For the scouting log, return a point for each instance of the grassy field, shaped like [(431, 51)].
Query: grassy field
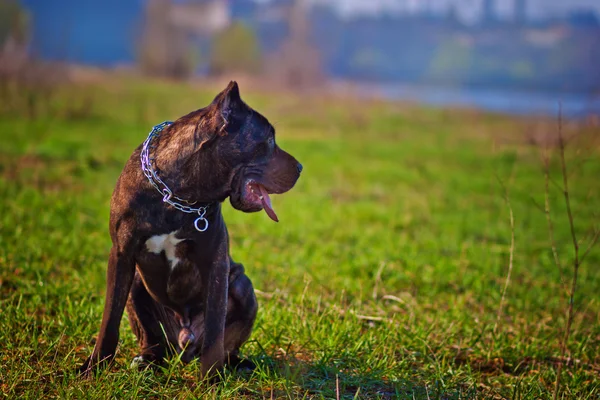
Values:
[(383, 279)]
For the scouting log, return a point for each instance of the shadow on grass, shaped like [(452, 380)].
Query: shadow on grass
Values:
[(313, 379)]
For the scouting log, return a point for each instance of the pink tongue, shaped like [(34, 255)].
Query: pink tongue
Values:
[(266, 203)]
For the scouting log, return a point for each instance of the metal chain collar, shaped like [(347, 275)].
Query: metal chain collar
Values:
[(201, 223)]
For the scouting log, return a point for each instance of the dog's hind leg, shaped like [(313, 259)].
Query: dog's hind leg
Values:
[(241, 314), (154, 325)]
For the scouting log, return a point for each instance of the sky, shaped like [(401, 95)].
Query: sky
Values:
[(469, 10)]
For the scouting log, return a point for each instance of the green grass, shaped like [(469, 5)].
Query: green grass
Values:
[(384, 276)]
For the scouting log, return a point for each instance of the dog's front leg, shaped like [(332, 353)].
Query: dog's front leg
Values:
[(213, 351), (119, 277)]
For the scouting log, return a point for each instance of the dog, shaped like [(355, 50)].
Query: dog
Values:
[(170, 264)]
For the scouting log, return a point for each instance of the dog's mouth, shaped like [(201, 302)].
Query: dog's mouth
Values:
[(252, 185), (256, 195)]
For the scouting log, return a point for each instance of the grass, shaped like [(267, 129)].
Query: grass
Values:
[(383, 279)]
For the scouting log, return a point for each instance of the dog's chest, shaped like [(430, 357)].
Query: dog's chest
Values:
[(170, 272), (166, 243)]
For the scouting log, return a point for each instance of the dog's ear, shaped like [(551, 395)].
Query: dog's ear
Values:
[(219, 115), (227, 103)]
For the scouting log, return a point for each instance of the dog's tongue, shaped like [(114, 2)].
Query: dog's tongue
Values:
[(266, 203)]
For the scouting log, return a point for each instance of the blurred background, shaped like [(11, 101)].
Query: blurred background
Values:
[(433, 163), (512, 56)]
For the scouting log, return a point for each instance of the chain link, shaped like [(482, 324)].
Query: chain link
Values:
[(161, 187)]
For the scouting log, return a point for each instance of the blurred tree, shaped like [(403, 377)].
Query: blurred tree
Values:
[(27, 85), (450, 62), (235, 49), (165, 49), (366, 62), (14, 23), (298, 63), (15, 33)]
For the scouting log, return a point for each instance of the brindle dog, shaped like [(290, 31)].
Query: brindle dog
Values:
[(181, 288)]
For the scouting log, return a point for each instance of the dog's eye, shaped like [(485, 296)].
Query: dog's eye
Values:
[(264, 148)]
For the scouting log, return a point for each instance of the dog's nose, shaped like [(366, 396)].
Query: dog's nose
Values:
[(299, 167)]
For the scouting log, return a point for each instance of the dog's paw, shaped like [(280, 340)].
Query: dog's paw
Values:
[(138, 362), (85, 371), (240, 364), (245, 366), (214, 377), (142, 362)]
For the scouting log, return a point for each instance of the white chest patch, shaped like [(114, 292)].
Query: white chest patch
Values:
[(167, 243)]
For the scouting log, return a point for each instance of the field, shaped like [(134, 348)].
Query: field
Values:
[(383, 279)]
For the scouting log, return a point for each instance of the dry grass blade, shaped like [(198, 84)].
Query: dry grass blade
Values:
[(576, 261), (378, 280), (511, 253), (593, 243), (546, 159)]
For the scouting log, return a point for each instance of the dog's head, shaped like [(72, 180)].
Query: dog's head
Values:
[(235, 149)]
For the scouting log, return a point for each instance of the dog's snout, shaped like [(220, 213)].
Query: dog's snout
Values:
[(299, 167)]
